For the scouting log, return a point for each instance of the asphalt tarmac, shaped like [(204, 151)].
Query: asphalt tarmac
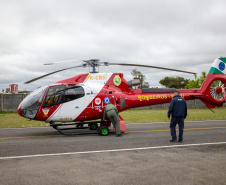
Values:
[(143, 155)]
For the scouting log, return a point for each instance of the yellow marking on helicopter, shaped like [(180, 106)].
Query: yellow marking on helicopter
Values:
[(65, 119), (150, 97), (182, 95), (155, 97), (96, 78)]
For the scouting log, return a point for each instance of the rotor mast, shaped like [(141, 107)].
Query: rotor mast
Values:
[(93, 65)]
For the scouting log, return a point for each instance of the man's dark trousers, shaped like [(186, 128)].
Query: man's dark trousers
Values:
[(173, 123)]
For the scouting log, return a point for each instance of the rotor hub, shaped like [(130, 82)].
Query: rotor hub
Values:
[(219, 90)]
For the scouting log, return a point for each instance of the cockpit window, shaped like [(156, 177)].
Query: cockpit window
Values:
[(54, 96), (73, 93), (32, 102)]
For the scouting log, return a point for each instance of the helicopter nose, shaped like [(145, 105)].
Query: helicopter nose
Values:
[(19, 110)]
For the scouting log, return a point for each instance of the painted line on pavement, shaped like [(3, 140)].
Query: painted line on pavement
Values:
[(26, 137), (207, 128), (114, 150), (166, 130)]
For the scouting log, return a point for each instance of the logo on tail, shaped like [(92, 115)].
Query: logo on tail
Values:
[(218, 66)]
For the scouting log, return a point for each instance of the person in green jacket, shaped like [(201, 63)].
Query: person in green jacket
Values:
[(112, 113)]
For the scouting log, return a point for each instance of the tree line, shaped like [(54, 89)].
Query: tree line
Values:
[(172, 82)]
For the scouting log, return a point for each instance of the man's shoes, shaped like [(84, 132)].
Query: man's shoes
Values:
[(180, 141), (173, 140), (118, 135)]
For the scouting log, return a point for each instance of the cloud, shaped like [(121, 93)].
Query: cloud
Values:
[(186, 35)]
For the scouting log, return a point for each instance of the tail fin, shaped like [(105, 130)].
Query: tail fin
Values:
[(213, 87), (218, 66)]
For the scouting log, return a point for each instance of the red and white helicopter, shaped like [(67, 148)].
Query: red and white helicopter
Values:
[(82, 98)]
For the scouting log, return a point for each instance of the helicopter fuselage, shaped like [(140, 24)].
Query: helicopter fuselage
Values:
[(84, 97)]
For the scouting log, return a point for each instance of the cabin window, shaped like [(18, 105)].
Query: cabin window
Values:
[(60, 94), (54, 96), (74, 93)]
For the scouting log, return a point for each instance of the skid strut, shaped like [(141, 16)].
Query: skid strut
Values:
[(92, 125)]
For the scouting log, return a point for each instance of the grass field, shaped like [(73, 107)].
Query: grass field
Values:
[(160, 115), (130, 116)]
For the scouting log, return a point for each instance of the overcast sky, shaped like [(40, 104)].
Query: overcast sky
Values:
[(180, 34)]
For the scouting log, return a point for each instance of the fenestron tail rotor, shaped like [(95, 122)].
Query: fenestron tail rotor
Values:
[(217, 89), (94, 64)]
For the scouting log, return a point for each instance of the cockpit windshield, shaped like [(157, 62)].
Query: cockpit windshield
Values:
[(32, 102), (55, 96)]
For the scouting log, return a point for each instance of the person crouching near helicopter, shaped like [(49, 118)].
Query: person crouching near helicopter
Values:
[(178, 109), (112, 113)]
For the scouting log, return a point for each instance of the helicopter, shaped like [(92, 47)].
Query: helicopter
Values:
[(81, 99)]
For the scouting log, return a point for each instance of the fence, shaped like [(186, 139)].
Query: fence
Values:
[(190, 103), (10, 102)]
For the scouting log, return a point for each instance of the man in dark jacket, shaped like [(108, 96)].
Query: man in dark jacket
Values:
[(112, 113), (178, 110)]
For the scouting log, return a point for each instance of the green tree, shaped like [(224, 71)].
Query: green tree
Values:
[(197, 82), (138, 75), (174, 82)]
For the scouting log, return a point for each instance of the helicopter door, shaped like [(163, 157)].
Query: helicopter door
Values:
[(89, 98), (73, 103), (53, 100), (123, 103)]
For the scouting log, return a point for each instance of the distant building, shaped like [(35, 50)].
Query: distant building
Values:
[(13, 88), (7, 90)]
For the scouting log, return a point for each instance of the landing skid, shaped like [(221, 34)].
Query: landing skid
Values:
[(92, 125)]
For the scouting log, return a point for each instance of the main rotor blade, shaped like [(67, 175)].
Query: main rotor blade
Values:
[(138, 65), (62, 62), (51, 74)]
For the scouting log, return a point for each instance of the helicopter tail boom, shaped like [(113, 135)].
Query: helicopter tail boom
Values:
[(212, 92)]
